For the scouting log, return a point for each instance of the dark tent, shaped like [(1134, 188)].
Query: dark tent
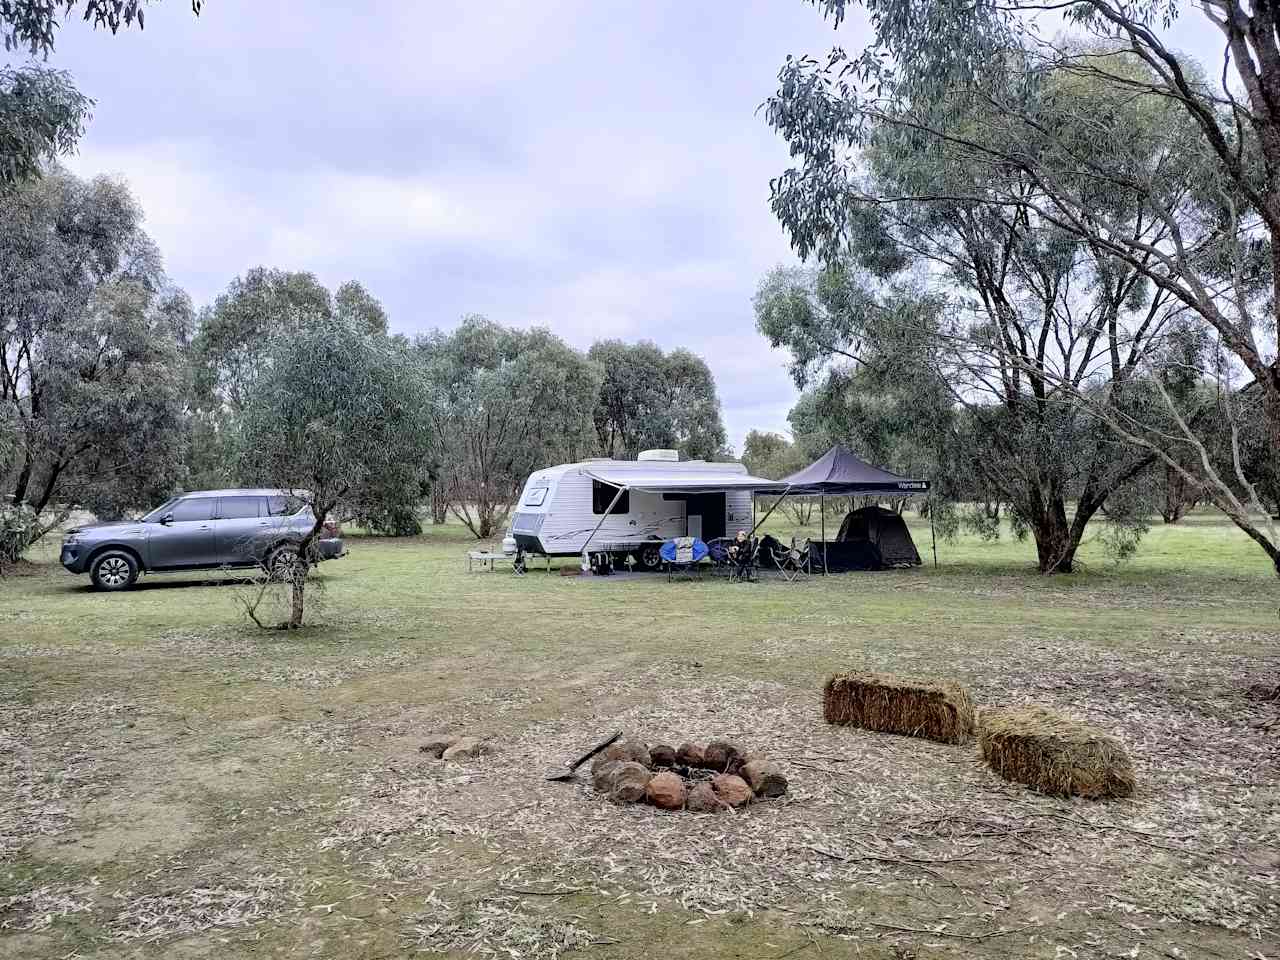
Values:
[(839, 472), (870, 538), (886, 530)]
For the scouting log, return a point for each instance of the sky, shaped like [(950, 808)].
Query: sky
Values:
[(597, 167)]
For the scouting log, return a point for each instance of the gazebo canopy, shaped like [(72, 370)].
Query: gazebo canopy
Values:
[(840, 472)]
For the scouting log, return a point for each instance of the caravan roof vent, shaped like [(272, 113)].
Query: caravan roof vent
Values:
[(666, 456)]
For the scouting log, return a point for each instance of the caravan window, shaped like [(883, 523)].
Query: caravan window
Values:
[(602, 495), (535, 497)]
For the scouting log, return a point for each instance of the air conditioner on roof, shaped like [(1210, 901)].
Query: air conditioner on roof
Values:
[(665, 456)]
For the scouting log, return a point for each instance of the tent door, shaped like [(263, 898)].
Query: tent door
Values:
[(705, 515)]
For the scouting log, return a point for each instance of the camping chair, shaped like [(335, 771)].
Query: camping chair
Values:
[(682, 555), (718, 554), (792, 562)]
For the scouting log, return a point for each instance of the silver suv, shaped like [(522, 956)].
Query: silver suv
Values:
[(198, 531)]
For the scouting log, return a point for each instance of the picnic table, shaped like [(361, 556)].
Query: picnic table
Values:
[(492, 557)]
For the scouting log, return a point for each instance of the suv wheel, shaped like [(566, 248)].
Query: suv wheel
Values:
[(280, 562), (113, 570)]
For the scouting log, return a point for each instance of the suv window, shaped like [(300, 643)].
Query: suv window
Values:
[(198, 509), (240, 508), (283, 506)]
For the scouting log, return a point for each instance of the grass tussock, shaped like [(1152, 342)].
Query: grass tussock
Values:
[(934, 709), (1054, 754)]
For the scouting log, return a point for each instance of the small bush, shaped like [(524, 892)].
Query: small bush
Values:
[(19, 526), (397, 521)]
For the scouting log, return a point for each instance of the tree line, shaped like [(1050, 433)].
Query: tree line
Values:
[(115, 391), (1041, 270)]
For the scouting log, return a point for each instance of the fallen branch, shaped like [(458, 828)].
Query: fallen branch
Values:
[(944, 933)]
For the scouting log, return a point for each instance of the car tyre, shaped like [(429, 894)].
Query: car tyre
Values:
[(113, 570), (648, 557), (279, 562)]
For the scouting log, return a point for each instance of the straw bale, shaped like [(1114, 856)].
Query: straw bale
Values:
[(933, 709), (1055, 755)]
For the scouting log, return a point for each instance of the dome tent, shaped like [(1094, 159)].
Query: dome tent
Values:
[(886, 531)]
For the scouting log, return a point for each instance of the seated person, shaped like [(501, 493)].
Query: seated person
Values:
[(740, 549)]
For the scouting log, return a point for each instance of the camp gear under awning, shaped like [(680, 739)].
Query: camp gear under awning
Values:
[(658, 481), (840, 472)]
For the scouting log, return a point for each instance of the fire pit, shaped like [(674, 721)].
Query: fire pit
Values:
[(702, 779)]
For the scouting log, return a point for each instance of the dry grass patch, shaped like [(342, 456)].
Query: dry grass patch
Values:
[(934, 709), (1055, 755)]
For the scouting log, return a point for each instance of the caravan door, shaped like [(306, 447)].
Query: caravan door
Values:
[(705, 513)]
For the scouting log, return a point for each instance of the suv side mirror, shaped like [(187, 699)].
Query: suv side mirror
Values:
[(167, 519)]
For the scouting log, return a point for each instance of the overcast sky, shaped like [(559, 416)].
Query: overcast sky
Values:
[(598, 168)]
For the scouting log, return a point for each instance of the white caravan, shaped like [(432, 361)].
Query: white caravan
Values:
[(629, 507)]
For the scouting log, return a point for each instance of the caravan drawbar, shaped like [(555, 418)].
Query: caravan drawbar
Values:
[(627, 508)]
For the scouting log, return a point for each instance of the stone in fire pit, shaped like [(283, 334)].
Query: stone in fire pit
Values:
[(702, 779)]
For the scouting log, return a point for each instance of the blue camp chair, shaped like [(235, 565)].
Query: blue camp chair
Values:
[(682, 555)]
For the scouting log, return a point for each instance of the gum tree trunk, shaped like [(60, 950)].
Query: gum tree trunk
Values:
[(298, 591)]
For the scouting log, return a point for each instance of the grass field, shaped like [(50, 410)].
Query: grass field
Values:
[(178, 784)]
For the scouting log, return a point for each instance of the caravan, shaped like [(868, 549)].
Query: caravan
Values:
[(627, 508)]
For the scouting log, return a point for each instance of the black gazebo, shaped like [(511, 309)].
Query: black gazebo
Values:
[(841, 473)]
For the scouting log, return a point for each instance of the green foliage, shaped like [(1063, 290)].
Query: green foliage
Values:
[(336, 412), (651, 400), (19, 528), (396, 520), (42, 117), (31, 24), (1028, 171), (42, 114), (504, 402), (92, 382), (228, 353)]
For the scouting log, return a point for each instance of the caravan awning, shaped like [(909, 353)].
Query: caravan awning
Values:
[(657, 481)]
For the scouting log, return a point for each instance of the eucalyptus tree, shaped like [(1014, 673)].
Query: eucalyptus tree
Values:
[(92, 379), (651, 399), (228, 353), (905, 348), (336, 415), (1169, 180), (42, 114), (504, 403)]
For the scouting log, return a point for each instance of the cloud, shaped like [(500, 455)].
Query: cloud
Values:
[(598, 169)]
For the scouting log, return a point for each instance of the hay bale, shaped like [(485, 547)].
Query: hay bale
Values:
[(1054, 754), (934, 709)]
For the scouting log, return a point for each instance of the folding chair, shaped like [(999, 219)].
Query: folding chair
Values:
[(682, 555), (792, 562)]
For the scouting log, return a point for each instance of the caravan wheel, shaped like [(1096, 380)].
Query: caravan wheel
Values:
[(648, 558)]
